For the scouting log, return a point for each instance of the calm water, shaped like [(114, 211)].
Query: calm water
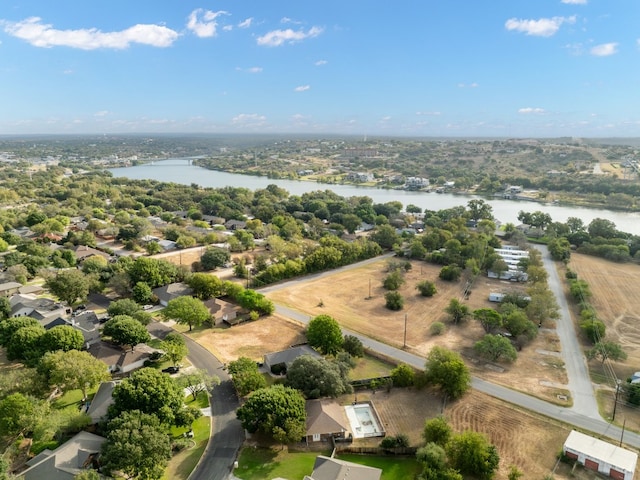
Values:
[(178, 171)]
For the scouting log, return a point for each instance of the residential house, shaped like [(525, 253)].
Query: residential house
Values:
[(83, 252), (360, 177), (600, 456), (119, 359), (80, 453), (222, 311), (327, 468), (174, 290), (42, 309), (101, 402), (31, 289), (88, 324), (326, 420), (167, 245), (285, 358), (9, 288)]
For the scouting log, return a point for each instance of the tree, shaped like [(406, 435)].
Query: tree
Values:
[(70, 286), (26, 344), (275, 411), (604, 350), (488, 318), (317, 377), (447, 370), (559, 248), (353, 346), (87, 475), (5, 308), (197, 381), (149, 391), (124, 306), (187, 310), (125, 330), (73, 370), (62, 337), (437, 430), (205, 286), (403, 375), (426, 288), (11, 325), (479, 209), (16, 414), (601, 227), (324, 334), (472, 454), (517, 324), (495, 347), (394, 300), (394, 280), (594, 329), (136, 445), (246, 376), (457, 310), (386, 236), (175, 347), (514, 473), (142, 293), (214, 257)]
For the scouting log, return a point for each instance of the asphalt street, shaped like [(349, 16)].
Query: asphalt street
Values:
[(227, 434)]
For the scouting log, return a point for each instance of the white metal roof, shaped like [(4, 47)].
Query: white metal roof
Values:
[(597, 449)]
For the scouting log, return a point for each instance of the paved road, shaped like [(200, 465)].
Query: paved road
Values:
[(227, 434), (580, 385)]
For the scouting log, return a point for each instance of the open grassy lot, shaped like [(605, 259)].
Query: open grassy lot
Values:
[(347, 297)]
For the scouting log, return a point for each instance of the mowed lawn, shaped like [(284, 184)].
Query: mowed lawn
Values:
[(265, 463)]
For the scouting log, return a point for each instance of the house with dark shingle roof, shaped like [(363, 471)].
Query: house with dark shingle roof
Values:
[(119, 359), (286, 357), (68, 460), (167, 293), (327, 468)]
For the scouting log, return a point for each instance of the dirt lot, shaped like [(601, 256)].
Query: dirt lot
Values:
[(345, 296)]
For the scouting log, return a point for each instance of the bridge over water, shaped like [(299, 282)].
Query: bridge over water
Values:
[(171, 162)]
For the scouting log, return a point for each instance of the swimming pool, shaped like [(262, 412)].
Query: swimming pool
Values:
[(364, 421)]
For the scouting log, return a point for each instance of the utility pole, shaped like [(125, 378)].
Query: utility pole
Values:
[(404, 343), (615, 402)]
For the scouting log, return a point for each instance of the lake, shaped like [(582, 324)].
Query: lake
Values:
[(179, 171)]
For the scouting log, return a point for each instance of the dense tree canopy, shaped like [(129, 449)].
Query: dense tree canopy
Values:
[(324, 334), (277, 411), (317, 377), (447, 370), (73, 370), (125, 330), (187, 310)]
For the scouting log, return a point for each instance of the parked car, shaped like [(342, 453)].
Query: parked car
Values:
[(171, 370)]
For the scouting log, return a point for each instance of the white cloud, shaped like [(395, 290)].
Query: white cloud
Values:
[(531, 111), (435, 114), (44, 35), (254, 70), (102, 113), (203, 22), (290, 20), (574, 2), (604, 50), (544, 27), (468, 85), (246, 23), (320, 63), (249, 120), (302, 88), (275, 38)]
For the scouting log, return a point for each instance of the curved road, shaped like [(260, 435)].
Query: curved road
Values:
[(227, 434)]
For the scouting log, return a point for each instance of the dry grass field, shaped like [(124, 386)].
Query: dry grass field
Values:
[(614, 289), (345, 296)]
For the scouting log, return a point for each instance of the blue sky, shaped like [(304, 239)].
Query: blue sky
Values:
[(517, 68)]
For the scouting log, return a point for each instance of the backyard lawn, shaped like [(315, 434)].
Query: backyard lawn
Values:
[(265, 463)]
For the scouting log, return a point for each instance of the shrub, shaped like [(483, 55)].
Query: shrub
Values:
[(393, 281), (394, 301), (427, 288), (437, 328), (450, 273), (403, 376), (399, 441)]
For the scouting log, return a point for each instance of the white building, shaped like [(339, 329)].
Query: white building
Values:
[(599, 456)]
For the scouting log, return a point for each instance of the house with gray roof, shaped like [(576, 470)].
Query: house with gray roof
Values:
[(119, 359), (9, 288), (101, 401), (68, 460), (327, 468), (42, 309), (286, 357), (167, 293)]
